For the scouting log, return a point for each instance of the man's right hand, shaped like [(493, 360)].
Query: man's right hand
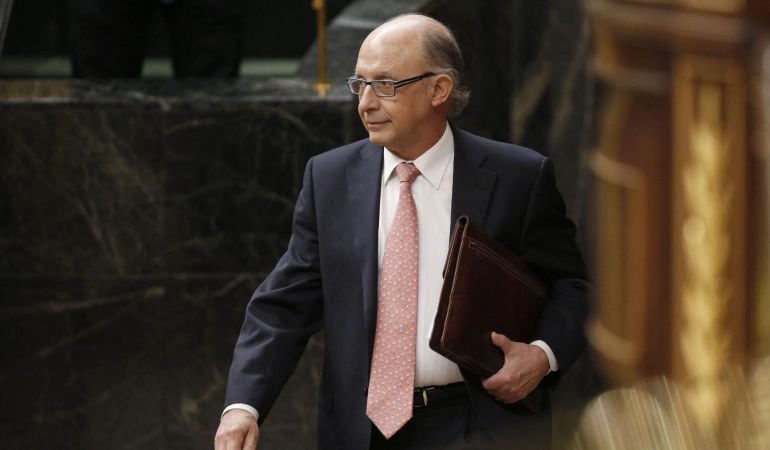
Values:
[(238, 430)]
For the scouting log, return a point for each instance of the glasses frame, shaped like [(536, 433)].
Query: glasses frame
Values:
[(375, 84)]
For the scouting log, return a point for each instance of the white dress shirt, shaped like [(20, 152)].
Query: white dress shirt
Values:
[(432, 192)]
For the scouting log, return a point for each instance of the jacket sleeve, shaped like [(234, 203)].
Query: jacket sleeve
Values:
[(284, 311), (548, 245)]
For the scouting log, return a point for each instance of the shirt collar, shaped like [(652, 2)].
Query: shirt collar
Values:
[(432, 164)]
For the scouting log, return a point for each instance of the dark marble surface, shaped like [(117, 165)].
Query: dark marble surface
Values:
[(553, 95), (136, 220), (124, 180), (114, 362)]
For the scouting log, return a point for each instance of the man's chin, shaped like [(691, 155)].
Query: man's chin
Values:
[(377, 138)]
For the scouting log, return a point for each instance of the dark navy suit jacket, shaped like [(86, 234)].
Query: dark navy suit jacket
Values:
[(328, 278)]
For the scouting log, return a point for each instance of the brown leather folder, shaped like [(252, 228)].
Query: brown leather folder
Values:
[(486, 288)]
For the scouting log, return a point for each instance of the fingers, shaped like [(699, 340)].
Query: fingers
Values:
[(229, 438), (504, 385), (505, 395), (523, 369), (496, 382), (508, 395), (503, 377), (250, 443), (234, 445), (238, 430)]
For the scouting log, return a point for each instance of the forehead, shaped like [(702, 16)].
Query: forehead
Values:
[(390, 55)]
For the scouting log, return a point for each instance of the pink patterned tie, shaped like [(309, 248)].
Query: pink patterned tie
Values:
[(391, 381)]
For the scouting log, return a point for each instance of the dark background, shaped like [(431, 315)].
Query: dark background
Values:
[(272, 29)]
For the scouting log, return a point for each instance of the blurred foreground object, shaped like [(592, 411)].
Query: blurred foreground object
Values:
[(654, 415), (681, 176)]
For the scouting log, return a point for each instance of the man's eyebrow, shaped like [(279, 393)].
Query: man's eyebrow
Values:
[(377, 76)]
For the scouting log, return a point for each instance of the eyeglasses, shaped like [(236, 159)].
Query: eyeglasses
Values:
[(382, 88)]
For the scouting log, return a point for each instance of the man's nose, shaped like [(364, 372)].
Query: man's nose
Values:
[(368, 99)]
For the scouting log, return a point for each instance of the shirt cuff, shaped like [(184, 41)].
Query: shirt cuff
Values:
[(249, 409), (549, 353)]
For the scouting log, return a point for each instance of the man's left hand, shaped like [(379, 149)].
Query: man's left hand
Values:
[(524, 367)]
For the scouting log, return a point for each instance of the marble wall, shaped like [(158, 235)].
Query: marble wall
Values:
[(136, 220)]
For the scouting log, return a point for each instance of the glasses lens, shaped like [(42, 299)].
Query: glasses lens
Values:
[(355, 85), (384, 88)]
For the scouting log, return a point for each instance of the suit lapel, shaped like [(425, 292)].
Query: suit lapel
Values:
[(363, 193), (472, 185)]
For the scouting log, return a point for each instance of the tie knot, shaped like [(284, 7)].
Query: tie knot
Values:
[(407, 172)]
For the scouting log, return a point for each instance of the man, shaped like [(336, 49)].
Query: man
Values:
[(370, 235)]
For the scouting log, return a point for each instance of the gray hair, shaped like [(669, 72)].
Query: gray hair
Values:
[(443, 52)]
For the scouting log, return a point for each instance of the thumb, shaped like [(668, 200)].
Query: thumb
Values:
[(501, 341)]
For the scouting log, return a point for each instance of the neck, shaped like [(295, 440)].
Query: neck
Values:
[(415, 151)]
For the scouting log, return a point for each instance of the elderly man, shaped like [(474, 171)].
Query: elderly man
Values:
[(369, 239)]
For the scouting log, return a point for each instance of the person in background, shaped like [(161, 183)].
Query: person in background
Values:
[(108, 37)]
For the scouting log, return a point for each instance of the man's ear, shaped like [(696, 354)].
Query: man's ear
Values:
[(442, 87)]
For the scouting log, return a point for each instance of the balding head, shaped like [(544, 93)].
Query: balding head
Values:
[(409, 116), (415, 25), (438, 49)]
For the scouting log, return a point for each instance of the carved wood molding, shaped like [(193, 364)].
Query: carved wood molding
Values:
[(681, 29)]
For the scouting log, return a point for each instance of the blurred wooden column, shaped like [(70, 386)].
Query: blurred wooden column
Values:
[(681, 176)]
